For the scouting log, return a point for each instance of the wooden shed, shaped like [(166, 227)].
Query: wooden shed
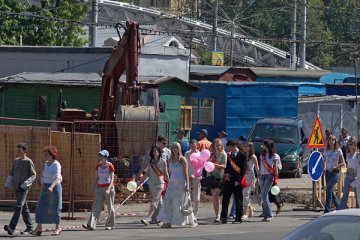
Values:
[(36, 95)]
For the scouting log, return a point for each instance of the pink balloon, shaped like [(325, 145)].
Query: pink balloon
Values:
[(194, 163), (194, 156), (209, 166), (198, 172), (204, 155)]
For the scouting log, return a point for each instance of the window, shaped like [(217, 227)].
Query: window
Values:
[(186, 118), (41, 109), (195, 112), (203, 110)]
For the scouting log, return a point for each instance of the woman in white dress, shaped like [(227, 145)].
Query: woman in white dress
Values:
[(170, 212)]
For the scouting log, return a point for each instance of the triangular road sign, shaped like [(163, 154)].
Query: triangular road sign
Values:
[(316, 139)]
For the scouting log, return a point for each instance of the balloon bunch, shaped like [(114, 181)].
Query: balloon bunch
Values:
[(200, 160)]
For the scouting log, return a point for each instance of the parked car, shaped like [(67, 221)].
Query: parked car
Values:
[(290, 142), (337, 225)]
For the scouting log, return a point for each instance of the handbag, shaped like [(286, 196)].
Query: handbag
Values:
[(244, 182), (208, 182), (187, 207), (9, 181), (256, 197)]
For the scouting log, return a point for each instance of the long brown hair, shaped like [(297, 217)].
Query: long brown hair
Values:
[(270, 146), (251, 150), (336, 143)]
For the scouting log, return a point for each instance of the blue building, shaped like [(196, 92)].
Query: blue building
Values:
[(233, 99)]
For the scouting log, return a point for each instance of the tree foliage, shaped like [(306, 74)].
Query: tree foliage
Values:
[(333, 26), (54, 23)]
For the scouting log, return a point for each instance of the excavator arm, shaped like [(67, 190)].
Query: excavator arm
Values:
[(125, 57)]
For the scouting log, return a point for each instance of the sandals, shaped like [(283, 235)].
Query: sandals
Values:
[(56, 232), (36, 232)]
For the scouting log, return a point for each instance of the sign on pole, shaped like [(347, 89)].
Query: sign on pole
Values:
[(316, 139), (217, 58), (315, 165)]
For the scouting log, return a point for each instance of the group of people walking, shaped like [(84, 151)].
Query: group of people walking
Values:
[(21, 178), (170, 177), (236, 172)]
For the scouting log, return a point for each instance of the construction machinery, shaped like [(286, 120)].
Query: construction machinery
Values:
[(129, 110)]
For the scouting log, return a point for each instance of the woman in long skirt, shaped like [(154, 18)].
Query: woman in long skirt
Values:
[(170, 212), (48, 208)]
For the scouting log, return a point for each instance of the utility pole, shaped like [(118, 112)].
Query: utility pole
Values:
[(232, 44), (94, 22), (214, 30), (303, 34), (293, 58)]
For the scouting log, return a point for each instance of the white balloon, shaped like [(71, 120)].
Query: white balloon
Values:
[(275, 190), (131, 186)]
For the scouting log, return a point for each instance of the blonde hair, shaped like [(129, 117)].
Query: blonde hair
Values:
[(176, 144), (218, 140)]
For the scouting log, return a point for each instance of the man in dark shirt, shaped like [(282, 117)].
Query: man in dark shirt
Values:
[(234, 172)]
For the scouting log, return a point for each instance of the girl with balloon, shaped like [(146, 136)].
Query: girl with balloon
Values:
[(156, 170), (219, 159), (195, 186), (269, 171)]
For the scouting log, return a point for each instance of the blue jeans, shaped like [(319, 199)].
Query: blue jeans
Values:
[(266, 184), (233, 207), (331, 179), (21, 208), (349, 177)]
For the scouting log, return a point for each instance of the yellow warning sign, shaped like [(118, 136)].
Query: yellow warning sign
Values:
[(316, 139), (217, 58)]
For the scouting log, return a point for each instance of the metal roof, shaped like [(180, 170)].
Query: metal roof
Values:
[(312, 99), (262, 71), (257, 83), (80, 79), (67, 79)]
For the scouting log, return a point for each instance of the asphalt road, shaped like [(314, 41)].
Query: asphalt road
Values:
[(129, 227)]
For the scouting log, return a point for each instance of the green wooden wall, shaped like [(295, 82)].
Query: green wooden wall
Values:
[(40, 102), (171, 114)]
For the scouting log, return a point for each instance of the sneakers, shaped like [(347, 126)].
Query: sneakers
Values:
[(266, 220), (109, 228), (244, 217), (195, 224), (231, 216), (9, 230), (27, 231), (154, 221), (145, 221), (88, 227), (217, 221)]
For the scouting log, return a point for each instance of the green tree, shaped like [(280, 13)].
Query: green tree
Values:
[(55, 23), (342, 18)]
